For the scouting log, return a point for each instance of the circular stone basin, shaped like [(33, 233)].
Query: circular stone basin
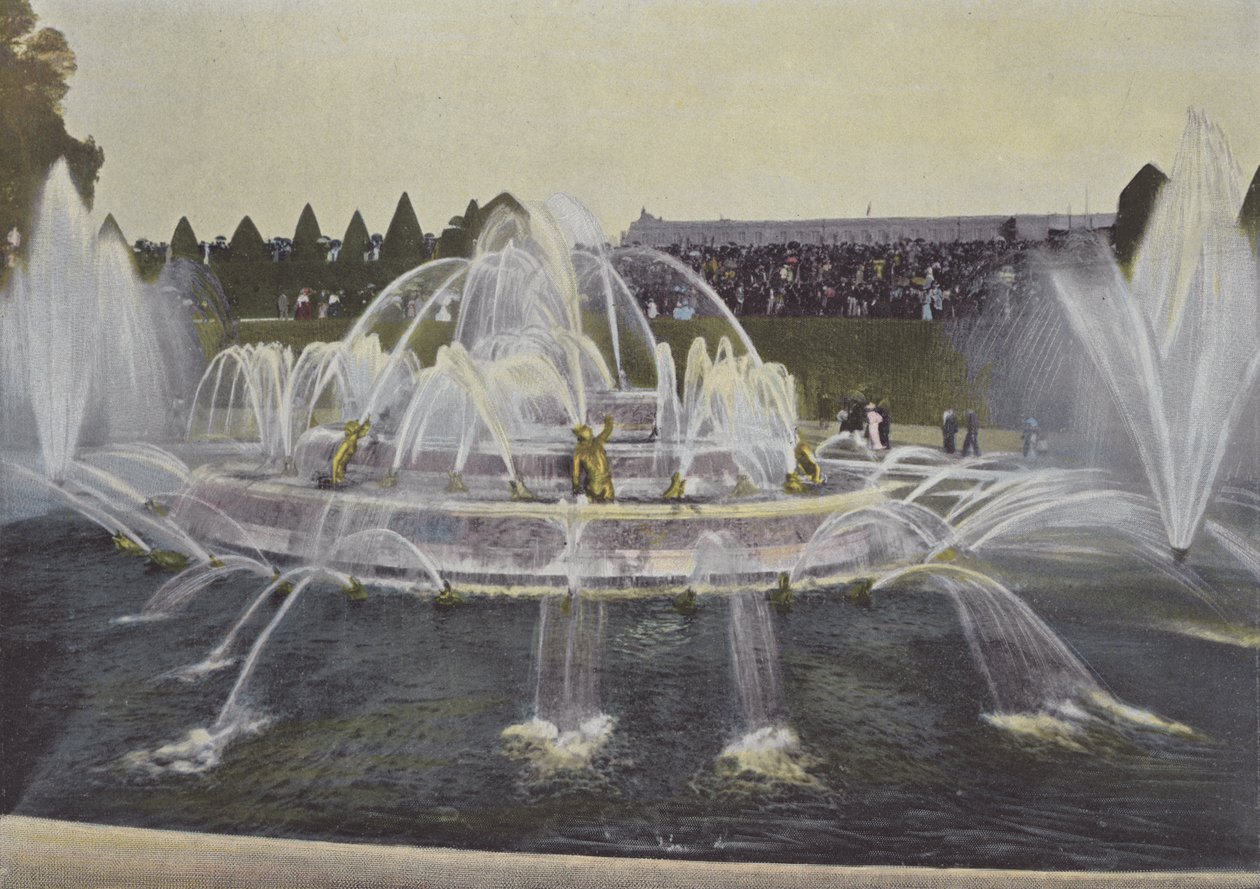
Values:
[(484, 542)]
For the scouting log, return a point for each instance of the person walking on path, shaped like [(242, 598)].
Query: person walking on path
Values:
[(949, 430), (972, 441), (1030, 436), (282, 306), (873, 420)]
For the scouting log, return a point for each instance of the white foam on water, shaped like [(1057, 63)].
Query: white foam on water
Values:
[(772, 752), (550, 750)]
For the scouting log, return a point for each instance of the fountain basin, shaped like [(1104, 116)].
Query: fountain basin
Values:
[(486, 543)]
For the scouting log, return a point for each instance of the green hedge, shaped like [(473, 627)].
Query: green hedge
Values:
[(909, 364), (252, 287)]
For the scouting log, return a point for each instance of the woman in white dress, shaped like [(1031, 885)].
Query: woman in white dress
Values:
[(872, 427)]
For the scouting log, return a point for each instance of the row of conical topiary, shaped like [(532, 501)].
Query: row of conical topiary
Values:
[(404, 239)]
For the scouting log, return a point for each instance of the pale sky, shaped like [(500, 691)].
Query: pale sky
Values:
[(750, 110)]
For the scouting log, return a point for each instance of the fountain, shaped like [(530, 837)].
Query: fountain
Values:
[(471, 422), (881, 618), (1177, 338), (90, 354)]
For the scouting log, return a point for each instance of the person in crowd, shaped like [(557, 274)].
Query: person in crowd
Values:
[(282, 306), (885, 424), (652, 310), (972, 441), (412, 307), (323, 308), (334, 304), (885, 280), (302, 311), (949, 430), (873, 419), (1031, 437)]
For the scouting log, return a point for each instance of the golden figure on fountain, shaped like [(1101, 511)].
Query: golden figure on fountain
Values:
[(589, 460), (341, 458), (806, 463)]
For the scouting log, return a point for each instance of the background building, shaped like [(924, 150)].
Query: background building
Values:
[(652, 230)]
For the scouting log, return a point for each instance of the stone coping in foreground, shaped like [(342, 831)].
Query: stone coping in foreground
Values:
[(38, 853)]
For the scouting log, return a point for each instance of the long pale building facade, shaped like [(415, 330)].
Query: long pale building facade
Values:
[(651, 231)]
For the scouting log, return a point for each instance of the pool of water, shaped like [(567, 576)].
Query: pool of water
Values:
[(382, 720)]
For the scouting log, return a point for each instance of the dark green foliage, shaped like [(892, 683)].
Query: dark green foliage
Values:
[(184, 242), (460, 235), (404, 240), (247, 243), (912, 364), (1249, 216), (356, 240), (306, 237), (34, 69), (1133, 211), (453, 242)]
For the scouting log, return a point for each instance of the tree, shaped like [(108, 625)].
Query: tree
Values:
[(356, 241), (404, 241), (1133, 211), (184, 242), (34, 68), (1249, 215), (247, 244), (460, 233), (306, 236)]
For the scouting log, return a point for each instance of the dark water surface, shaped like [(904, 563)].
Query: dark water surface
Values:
[(385, 720)]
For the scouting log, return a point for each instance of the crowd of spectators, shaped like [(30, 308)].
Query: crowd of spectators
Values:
[(906, 279), (280, 249)]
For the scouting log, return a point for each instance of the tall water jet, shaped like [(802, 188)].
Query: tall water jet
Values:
[(755, 663), (83, 357), (567, 728), (1178, 340)]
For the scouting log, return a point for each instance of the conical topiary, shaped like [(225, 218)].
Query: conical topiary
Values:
[(306, 236), (356, 240), (1249, 216), (404, 241), (247, 244), (184, 242), (1133, 211)]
